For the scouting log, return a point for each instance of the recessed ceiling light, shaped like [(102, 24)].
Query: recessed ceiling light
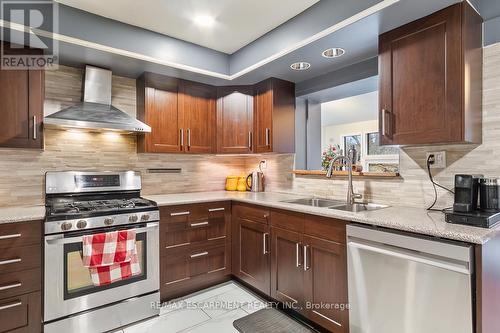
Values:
[(206, 21), (333, 52), (300, 66)]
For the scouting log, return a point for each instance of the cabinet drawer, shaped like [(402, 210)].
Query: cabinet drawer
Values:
[(20, 258), (189, 225), (251, 213), (18, 283), (288, 220), (326, 228), (20, 234), (183, 263), (21, 314)]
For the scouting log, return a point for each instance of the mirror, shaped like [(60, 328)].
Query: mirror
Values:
[(334, 127)]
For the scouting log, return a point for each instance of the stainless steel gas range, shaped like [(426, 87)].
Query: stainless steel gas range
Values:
[(86, 203)]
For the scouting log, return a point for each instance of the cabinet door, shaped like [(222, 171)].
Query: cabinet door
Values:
[(287, 274), (421, 81), (251, 259), (234, 120), (197, 107), (164, 119), (263, 113), (21, 108), (325, 266)]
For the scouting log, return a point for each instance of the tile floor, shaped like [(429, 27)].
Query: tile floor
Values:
[(211, 310)]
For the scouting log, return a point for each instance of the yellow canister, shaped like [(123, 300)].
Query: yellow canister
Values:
[(231, 183), (242, 184)]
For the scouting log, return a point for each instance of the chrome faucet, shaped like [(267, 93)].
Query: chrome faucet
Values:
[(351, 196)]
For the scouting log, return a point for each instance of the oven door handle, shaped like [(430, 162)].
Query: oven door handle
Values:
[(60, 239)]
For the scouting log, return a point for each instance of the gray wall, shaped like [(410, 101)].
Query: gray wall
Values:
[(300, 133), (313, 135)]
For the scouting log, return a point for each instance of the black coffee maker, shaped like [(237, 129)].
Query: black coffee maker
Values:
[(476, 201)]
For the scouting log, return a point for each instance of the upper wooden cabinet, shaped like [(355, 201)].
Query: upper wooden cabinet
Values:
[(21, 108), (235, 119), (190, 117), (274, 116), (197, 108), (431, 79), (181, 115)]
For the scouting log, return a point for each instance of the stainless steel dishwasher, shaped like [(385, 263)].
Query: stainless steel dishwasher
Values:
[(404, 284)]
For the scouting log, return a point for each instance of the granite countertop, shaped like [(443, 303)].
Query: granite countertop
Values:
[(409, 219), (416, 220), (21, 214)]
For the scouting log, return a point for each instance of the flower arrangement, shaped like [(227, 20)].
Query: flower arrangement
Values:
[(329, 154)]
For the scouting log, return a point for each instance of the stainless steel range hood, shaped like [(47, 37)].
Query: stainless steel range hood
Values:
[(96, 111)]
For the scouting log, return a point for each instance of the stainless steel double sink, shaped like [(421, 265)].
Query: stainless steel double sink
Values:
[(336, 204)]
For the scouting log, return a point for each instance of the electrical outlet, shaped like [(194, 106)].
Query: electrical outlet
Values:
[(263, 164), (439, 159)]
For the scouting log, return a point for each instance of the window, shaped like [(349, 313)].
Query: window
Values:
[(353, 141), (373, 147), (370, 155)]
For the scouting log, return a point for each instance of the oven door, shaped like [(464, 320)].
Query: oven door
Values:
[(68, 286)]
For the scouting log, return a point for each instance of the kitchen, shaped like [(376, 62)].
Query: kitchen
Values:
[(290, 166)]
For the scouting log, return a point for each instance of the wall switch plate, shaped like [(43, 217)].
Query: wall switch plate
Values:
[(439, 159)]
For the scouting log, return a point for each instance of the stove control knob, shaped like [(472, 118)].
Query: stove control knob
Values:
[(82, 224), (109, 221), (145, 217), (133, 218), (66, 226)]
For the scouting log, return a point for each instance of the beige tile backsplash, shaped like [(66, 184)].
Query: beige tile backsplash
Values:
[(22, 171)]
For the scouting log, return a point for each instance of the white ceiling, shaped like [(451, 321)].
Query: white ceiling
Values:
[(349, 110), (237, 22)]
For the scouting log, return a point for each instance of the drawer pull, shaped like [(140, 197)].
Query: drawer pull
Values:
[(297, 255), (10, 236), (10, 286), (11, 305), (198, 224), (216, 209), (180, 213), (201, 254), (10, 261), (264, 241), (306, 265)]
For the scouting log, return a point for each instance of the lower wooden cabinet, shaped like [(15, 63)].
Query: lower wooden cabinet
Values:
[(20, 280), (195, 243), (21, 314), (287, 273), (325, 283), (309, 267)]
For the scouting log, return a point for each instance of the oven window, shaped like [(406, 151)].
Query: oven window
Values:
[(77, 280)]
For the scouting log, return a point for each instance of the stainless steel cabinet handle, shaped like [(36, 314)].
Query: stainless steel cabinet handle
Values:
[(180, 213), (268, 136), (34, 128), (201, 254), (10, 261), (10, 236), (11, 286), (182, 136), (306, 267), (189, 137), (11, 305), (264, 241), (211, 210), (383, 122), (249, 140), (297, 255), (198, 224)]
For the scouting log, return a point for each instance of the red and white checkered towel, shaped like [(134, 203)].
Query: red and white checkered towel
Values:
[(110, 256)]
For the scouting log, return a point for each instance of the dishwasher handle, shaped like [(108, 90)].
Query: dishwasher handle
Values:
[(458, 267)]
